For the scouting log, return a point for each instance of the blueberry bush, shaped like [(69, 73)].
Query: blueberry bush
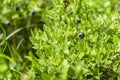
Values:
[(60, 40)]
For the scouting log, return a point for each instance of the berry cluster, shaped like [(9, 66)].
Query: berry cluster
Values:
[(16, 9)]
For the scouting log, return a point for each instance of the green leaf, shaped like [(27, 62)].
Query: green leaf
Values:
[(7, 57), (81, 55), (3, 65), (115, 39), (93, 52), (1, 36)]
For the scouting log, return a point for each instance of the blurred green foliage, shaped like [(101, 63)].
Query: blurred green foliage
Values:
[(40, 40)]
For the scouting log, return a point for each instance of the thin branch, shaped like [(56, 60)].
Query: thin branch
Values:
[(11, 34), (14, 32)]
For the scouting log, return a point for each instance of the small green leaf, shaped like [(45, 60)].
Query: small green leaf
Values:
[(115, 39), (93, 52), (81, 54), (1, 36), (3, 65)]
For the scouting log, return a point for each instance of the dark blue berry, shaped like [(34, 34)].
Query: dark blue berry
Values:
[(81, 35), (78, 20), (102, 77), (17, 8), (7, 23), (32, 12)]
